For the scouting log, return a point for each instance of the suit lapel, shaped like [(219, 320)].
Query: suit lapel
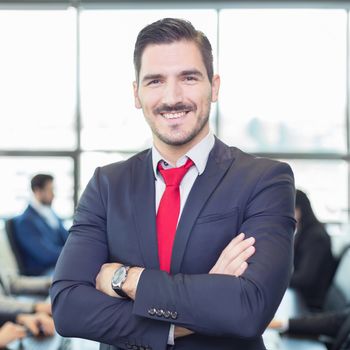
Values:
[(143, 192), (219, 161)]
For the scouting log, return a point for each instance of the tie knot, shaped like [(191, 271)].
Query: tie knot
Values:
[(174, 176)]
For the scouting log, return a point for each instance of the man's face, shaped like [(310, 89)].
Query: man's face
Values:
[(45, 195), (174, 93)]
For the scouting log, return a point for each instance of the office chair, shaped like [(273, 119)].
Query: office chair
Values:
[(338, 295), (16, 249), (342, 340)]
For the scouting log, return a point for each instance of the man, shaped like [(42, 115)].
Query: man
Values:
[(39, 231), (192, 287)]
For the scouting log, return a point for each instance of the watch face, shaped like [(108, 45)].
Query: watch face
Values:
[(119, 277)]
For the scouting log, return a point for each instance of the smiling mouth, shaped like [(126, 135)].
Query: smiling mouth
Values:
[(174, 115)]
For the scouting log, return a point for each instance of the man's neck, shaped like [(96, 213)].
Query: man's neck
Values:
[(173, 153)]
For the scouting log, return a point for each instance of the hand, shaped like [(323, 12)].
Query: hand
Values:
[(104, 279), (275, 324), (233, 259), (10, 332), (37, 323), (181, 332), (43, 308)]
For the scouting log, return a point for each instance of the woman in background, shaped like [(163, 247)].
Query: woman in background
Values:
[(314, 264)]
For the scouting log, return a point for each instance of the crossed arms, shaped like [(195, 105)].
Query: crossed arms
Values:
[(212, 304)]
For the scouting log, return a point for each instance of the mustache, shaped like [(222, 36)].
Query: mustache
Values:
[(178, 107)]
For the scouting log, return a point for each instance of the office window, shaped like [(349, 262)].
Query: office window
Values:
[(37, 79), (283, 79), (91, 160), (325, 183), (110, 120), (16, 173)]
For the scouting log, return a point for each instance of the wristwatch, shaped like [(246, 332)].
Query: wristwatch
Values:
[(118, 280)]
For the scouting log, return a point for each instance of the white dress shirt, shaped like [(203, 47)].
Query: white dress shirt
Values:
[(46, 212), (199, 155)]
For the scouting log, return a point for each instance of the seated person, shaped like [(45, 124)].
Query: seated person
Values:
[(314, 264), (39, 231), (16, 326), (18, 317), (314, 325)]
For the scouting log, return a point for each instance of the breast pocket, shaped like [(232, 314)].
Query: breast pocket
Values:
[(210, 235), (208, 218)]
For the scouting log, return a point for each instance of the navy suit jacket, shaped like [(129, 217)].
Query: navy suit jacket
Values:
[(39, 243), (115, 221)]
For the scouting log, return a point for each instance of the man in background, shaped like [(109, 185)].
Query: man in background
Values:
[(39, 231)]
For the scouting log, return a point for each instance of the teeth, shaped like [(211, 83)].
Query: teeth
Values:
[(173, 115)]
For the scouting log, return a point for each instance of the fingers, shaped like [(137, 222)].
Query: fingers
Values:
[(241, 269), (275, 324), (43, 307), (104, 278), (237, 266), (9, 332), (238, 251), (29, 321), (46, 324)]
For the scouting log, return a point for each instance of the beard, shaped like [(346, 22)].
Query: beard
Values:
[(177, 137), (182, 138)]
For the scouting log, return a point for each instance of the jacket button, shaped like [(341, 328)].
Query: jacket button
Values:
[(166, 314), (152, 311), (159, 312), (174, 315)]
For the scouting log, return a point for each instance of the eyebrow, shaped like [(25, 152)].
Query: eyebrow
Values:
[(192, 72), (195, 72), (151, 77)]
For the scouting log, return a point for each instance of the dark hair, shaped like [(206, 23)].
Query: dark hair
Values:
[(39, 181), (308, 216), (167, 31)]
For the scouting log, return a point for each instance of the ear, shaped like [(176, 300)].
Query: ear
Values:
[(136, 95), (215, 86)]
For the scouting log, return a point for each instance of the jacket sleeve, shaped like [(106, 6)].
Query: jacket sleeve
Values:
[(326, 323), (29, 285), (79, 310), (12, 307), (223, 305)]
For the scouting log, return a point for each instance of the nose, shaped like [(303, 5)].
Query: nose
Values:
[(173, 93)]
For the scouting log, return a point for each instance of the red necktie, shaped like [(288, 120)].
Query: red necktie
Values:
[(168, 212)]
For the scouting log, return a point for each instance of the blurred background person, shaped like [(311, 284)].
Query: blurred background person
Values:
[(39, 231), (314, 264), (335, 325)]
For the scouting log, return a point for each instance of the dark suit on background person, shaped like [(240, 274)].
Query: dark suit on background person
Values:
[(314, 264), (115, 221), (40, 243), (331, 327)]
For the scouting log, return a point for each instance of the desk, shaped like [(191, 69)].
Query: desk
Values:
[(292, 305)]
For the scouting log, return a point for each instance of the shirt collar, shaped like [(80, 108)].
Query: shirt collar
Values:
[(198, 153)]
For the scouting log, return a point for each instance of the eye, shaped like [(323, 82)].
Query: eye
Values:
[(154, 82), (190, 78)]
